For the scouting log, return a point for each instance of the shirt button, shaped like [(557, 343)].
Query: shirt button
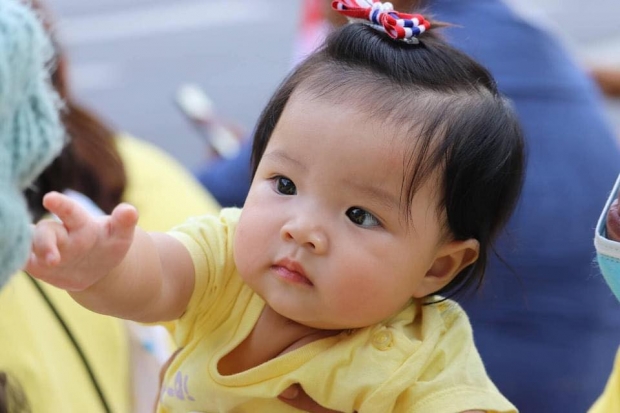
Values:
[(382, 340)]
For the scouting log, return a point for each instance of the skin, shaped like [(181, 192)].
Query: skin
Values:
[(613, 221), (608, 79), (322, 226), (295, 395), (331, 207)]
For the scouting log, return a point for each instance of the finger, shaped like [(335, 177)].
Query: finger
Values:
[(123, 221), (35, 267), (72, 215), (300, 400), (290, 392), (46, 237)]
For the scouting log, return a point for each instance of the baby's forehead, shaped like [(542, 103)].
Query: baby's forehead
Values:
[(313, 111), (401, 148), (373, 109), (405, 110)]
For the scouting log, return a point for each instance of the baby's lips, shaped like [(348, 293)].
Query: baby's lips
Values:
[(613, 221)]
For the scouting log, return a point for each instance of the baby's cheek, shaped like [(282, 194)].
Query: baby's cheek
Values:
[(241, 247), (359, 297), (250, 243)]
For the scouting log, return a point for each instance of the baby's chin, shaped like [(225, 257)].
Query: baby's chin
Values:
[(301, 321), (613, 221)]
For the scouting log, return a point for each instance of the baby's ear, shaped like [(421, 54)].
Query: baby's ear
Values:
[(451, 258)]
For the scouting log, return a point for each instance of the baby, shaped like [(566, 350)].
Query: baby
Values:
[(384, 167)]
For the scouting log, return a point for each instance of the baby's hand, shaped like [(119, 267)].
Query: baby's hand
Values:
[(79, 251)]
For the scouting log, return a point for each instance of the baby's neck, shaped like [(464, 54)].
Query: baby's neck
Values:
[(292, 333), (272, 336)]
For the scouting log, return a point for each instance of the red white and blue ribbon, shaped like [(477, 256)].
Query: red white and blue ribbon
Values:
[(381, 16)]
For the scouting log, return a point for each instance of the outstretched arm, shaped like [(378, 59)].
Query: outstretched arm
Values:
[(109, 265)]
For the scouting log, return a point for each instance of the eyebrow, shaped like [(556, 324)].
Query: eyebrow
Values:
[(279, 155), (376, 194)]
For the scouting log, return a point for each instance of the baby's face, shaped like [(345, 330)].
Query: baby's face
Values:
[(323, 238)]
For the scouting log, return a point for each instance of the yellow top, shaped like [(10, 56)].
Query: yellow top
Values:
[(37, 353), (609, 402), (421, 360)]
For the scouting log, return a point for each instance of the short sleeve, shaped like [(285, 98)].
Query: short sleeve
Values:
[(209, 240), (446, 373)]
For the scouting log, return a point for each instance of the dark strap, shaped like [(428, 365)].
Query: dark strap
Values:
[(76, 346)]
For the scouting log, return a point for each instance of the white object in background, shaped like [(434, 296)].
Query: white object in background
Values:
[(198, 107), (85, 202)]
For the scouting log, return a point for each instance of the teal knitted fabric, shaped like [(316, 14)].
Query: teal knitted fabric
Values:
[(30, 130)]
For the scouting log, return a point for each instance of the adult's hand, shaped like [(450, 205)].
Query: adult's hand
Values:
[(296, 396), (608, 80)]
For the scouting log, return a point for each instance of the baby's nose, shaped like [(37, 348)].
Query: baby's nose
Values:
[(306, 234)]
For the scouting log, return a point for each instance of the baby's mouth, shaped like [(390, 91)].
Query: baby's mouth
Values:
[(291, 271)]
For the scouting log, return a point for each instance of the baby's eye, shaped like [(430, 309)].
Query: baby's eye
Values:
[(362, 218), (285, 186)]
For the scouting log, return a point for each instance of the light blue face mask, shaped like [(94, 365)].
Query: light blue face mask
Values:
[(608, 251)]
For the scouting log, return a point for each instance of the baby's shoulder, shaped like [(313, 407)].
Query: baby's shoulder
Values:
[(220, 225), (432, 324), (447, 312)]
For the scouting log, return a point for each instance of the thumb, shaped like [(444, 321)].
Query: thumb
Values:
[(291, 392), (296, 396), (123, 221)]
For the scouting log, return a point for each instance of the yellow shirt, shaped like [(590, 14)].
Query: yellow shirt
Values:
[(609, 402), (34, 349), (421, 360)]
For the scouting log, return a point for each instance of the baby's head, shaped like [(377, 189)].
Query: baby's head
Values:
[(30, 131), (383, 171)]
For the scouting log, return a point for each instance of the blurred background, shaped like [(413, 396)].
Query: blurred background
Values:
[(128, 59)]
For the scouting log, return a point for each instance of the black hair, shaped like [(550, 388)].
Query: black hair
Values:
[(459, 125)]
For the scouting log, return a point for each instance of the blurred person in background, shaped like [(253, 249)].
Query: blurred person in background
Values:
[(31, 135), (66, 358), (608, 79), (544, 348), (607, 243)]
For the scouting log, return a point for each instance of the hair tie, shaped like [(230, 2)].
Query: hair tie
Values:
[(381, 16)]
